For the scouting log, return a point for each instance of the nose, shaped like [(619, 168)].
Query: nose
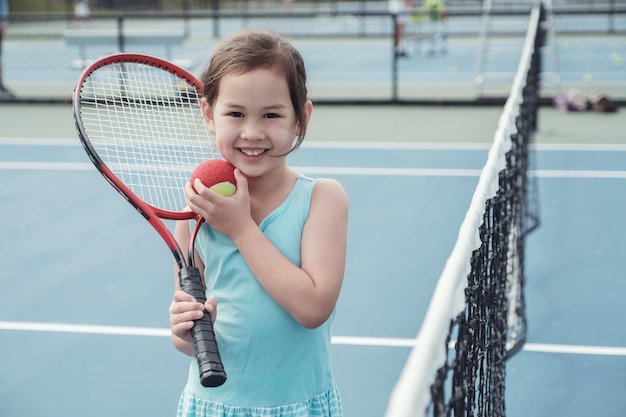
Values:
[(252, 130)]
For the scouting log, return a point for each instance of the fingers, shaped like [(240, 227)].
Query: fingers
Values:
[(199, 186), (183, 310), (211, 307), (239, 177), (242, 180), (201, 199)]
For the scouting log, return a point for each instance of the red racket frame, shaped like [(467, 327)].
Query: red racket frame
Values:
[(211, 369)]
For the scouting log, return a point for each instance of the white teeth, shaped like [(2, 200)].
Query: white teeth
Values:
[(252, 152)]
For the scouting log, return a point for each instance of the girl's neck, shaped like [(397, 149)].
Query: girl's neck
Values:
[(269, 191)]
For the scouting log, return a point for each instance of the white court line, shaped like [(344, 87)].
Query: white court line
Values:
[(424, 172), (579, 147), (574, 147), (542, 173), (399, 172), (363, 171), (444, 146), (563, 147), (39, 141), (310, 144), (83, 328), (337, 340), (48, 166)]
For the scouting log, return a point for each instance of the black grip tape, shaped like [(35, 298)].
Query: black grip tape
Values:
[(209, 362)]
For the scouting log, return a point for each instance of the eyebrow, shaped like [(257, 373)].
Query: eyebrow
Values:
[(265, 108), (275, 107)]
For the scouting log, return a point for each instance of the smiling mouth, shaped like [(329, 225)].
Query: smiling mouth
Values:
[(252, 152)]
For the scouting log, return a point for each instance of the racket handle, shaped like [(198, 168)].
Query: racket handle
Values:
[(209, 362)]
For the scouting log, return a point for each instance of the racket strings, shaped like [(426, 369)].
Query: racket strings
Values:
[(146, 125)]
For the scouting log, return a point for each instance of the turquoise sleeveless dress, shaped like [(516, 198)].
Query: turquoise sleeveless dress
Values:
[(275, 366)]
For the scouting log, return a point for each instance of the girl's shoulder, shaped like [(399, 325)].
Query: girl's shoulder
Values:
[(327, 189)]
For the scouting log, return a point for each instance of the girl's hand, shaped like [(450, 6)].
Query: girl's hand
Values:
[(183, 310), (227, 215)]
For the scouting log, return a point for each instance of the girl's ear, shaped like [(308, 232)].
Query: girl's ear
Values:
[(308, 108), (207, 113)]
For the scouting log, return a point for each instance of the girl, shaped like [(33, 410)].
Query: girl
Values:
[(274, 252)]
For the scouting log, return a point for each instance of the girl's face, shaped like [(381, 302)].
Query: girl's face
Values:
[(253, 121)]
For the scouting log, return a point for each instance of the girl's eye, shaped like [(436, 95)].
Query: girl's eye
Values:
[(271, 116), (236, 114)]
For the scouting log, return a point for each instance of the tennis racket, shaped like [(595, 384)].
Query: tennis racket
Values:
[(139, 119)]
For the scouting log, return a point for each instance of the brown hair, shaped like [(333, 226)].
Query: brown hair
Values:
[(251, 49)]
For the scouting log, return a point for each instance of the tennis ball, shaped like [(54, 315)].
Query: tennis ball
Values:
[(218, 175), (617, 59)]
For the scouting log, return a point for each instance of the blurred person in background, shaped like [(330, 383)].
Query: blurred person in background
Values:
[(401, 10), (4, 22), (82, 10), (436, 11)]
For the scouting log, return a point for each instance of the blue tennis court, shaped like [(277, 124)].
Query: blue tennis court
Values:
[(83, 314)]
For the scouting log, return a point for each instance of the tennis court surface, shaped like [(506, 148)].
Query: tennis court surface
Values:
[(83, 314)]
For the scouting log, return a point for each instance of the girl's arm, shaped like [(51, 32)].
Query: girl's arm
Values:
[(308, 293)]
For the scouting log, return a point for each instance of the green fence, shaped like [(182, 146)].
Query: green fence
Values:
[(469, 56)]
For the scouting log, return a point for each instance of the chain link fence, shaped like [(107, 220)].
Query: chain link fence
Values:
[(469, 55)]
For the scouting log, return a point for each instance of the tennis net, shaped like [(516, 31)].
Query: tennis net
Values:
[(476, 319)]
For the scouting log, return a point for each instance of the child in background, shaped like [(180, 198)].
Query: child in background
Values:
[(4, 22), (273, 255), (401, 10)]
